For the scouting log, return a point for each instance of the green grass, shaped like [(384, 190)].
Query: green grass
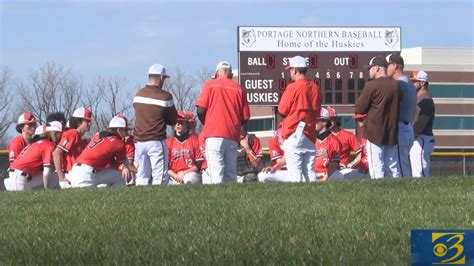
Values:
[(351, 223)]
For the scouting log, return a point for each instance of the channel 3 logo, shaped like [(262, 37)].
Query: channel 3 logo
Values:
[(449, 248), (442, 247)]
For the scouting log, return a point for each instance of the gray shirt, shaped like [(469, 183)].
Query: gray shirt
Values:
[(408, 100)]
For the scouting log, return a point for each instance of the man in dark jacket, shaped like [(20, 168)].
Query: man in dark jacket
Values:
[(380, 101)]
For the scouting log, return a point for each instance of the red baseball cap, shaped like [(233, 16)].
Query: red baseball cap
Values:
[(331, 111), (83, 112), (358, 116), (25, 118)]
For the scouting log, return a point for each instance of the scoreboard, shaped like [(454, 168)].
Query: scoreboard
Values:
[(335, 57)]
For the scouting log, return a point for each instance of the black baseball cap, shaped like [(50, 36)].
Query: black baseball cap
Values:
[(395, 59), (376, 61)]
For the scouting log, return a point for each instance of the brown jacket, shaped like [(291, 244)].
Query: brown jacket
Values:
[(380, 100), (154, 109)]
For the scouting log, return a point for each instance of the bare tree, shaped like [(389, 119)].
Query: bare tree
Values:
[(183, 88), (50, 89), (7, 114)]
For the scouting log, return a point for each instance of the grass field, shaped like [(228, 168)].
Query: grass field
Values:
[(350, 223)]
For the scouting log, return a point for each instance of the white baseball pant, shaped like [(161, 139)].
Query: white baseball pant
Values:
[(420, 154), (206, 179), (18, 181), (151, 159), (347, 174), (405, 141), (189, 178), (300, 153), (84, 175), (221, 157), (278, 176), (382, 160)]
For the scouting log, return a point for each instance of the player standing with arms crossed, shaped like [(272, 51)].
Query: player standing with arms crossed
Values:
[(380, 101), (300, 105), (222, 108), (423, 126)]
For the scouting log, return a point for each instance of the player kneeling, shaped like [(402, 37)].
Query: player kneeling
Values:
[(183, 151), (33, 168), (358, 168), (277, 172), (94, 166), (328, 148)]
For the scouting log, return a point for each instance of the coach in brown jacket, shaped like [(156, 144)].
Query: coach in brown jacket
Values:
[(380, 101)]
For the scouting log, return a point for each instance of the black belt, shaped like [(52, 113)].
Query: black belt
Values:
[(23, 173), (93, 170)]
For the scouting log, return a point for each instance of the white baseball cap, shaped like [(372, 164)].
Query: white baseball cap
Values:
[(83, 112), (419, 75), (296, 61), (223, 64), (25, 118), (49, 127), (157, 69), (324, 114), (119, 121)]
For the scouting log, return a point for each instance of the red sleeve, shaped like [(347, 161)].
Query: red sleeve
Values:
[(257, 147), (47, 154), (203, 98), (246, 108), (130, 150), (196, 149), (335, 150), (68, 139), (286, 101), (353, 142), (169, 143), (275, 149), (121, 153), (14, 149)]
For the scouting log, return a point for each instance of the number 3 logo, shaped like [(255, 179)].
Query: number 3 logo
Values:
[(440, 249)]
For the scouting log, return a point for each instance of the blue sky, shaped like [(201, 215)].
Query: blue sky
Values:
[(122, 38)]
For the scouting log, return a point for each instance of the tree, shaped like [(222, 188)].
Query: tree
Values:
[(183, 88), (8, 113)]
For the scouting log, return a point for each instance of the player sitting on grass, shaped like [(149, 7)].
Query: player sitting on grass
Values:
[(327, 148), (249, 156), (34, 166), (96, 163), (183, 151), (277, 172)]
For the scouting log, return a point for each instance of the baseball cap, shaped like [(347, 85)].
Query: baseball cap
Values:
[(395, 59), (376, 61), (223, 64), (183, 116), (83, 112), (358, 116), (324, 114), (25, 118), (419, 75), (331, 111), (49, 127), (119, 121), (296, 61), (157, 69), (191, 118)]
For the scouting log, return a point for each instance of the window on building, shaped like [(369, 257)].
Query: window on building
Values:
[(260, 124), (451, 91)]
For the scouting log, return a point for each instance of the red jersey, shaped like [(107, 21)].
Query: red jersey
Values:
[(223, 97), (34, 157), (276, 152), (130, 148), (327, 150), (15, 147), (102, 151), (364, 164), (183, 155), (301, 101), (202, 147), (349, 143), (72, 144)]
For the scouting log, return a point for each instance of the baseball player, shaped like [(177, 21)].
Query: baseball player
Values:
[(249, 156), (357, 168), (57, 116), (328, 148), (277, 172), (201, 162), (380, 101), (300, 105), (406, 111), (347, 139), (71, 145), (423, 127), (33, 168), (222, 97), (183, 151), (154, 110), (26, 127), (106, 148)]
